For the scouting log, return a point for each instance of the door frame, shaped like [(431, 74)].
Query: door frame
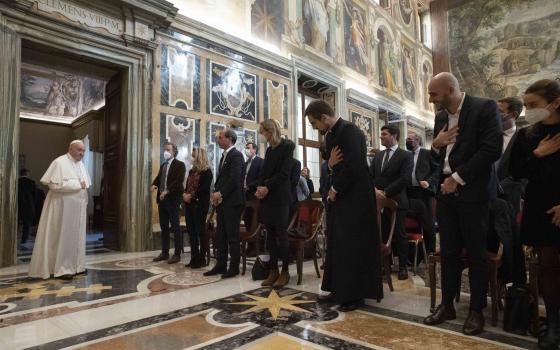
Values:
[(17, 24)]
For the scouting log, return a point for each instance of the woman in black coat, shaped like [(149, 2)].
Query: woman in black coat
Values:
[(196, 200), (274, 192), (536, 156)]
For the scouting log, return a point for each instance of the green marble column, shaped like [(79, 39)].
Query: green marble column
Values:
[(10, 53)]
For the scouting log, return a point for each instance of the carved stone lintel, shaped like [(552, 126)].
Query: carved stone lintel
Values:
[(132, 40)]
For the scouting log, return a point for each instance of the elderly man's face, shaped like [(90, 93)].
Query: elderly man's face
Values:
[(77, 151)]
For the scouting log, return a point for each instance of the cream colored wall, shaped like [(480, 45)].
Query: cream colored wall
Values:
[(41, 143)]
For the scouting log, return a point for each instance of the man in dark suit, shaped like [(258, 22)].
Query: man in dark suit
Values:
[(229, 199), (468, 140), (295, 174), (352, 264), (27, 191), (422, 187), (252, 170), (512, 189), (169, 186), (391, 174)]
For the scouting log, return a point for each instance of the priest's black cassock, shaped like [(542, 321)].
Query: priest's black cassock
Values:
[(352, 264)]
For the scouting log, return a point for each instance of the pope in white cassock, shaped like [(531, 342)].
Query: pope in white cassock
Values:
[(60, 245)]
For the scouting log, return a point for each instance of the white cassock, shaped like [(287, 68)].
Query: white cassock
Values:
[(60, 245)]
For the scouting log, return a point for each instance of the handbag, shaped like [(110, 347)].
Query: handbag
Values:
[(517, 310), (260, 268)]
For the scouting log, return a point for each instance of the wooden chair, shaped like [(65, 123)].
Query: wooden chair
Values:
[(307, 219), (210, 235), (494, 263), (415, 234), (250, 232), (384, 205)]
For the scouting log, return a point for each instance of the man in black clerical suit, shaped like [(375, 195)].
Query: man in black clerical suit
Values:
[(27, 191), (229, 199), (352, 264), (391, 174), (468, 140), (169, 186), (422, 187)]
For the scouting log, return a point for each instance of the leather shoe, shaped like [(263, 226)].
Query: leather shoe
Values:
[(351, 306), (215, 271), (443, 313), (403, 274), (174, 259), (161, 257), (230, 273), (65, 277), (326, 299), (474, 324)]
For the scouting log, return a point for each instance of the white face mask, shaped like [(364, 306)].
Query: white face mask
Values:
[(248, 152), (535, 115), (166, 155)]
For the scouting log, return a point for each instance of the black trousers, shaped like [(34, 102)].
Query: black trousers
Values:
[(169, 210), (195, 217), (227, 236), (277, 237), (463, 225), (420, 205)]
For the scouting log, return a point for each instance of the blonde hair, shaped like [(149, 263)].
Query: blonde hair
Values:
[(200, 162), (272, 126)]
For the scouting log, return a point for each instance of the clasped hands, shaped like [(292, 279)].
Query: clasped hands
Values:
[(161, 195), (216, 198)]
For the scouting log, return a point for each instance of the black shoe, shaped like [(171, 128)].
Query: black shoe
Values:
[(474, 324), (230, 273), (443, 313), (174, 259), (82, 273), (326, 299), (161, 257), (65, 277), (215, 271), (403, 274), (197, 264), (351, 306)]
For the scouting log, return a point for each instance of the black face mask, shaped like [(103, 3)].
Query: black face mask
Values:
[(409, 146)]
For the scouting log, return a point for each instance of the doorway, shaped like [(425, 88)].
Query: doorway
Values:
[(66, 97)]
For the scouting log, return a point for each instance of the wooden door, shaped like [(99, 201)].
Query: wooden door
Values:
[(113, 165)]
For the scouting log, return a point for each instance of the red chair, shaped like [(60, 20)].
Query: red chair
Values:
[(250, 232), (415, 234), (385, 247)]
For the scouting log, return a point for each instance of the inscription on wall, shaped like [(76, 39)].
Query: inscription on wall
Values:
[(81, 15)]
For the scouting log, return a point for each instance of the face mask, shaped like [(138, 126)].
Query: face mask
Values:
[(166, 155), (409, 146), (535, 115), (247, 152)]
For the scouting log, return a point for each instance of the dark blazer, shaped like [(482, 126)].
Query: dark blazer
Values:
[(427, 169), (27, 191), (295, 173), (175, 179), (477, 147), (395, 177), (255, 172), (202, 195), (229, 181)]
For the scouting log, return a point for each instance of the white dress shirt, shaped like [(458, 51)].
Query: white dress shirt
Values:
[(508, 134)]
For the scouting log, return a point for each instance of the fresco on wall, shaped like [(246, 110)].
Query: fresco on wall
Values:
[(427, 73), (365, 124), (407, 13), (214, 152), (512, 44), (276, 101), (57, 96), (267, 20), (316, 26), (387, 59), (232, 92), (180, 78), (183, 132), (409, 72), (355, 37)]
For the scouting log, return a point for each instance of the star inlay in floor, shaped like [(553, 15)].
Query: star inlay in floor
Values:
[(274, 303)]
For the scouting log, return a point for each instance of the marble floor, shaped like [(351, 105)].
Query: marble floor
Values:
[(126, 301)]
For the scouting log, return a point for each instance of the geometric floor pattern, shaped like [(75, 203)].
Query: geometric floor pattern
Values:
[(128, 302)]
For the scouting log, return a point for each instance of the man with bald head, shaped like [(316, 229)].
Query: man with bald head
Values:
[(60, 246), (468, 140)]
